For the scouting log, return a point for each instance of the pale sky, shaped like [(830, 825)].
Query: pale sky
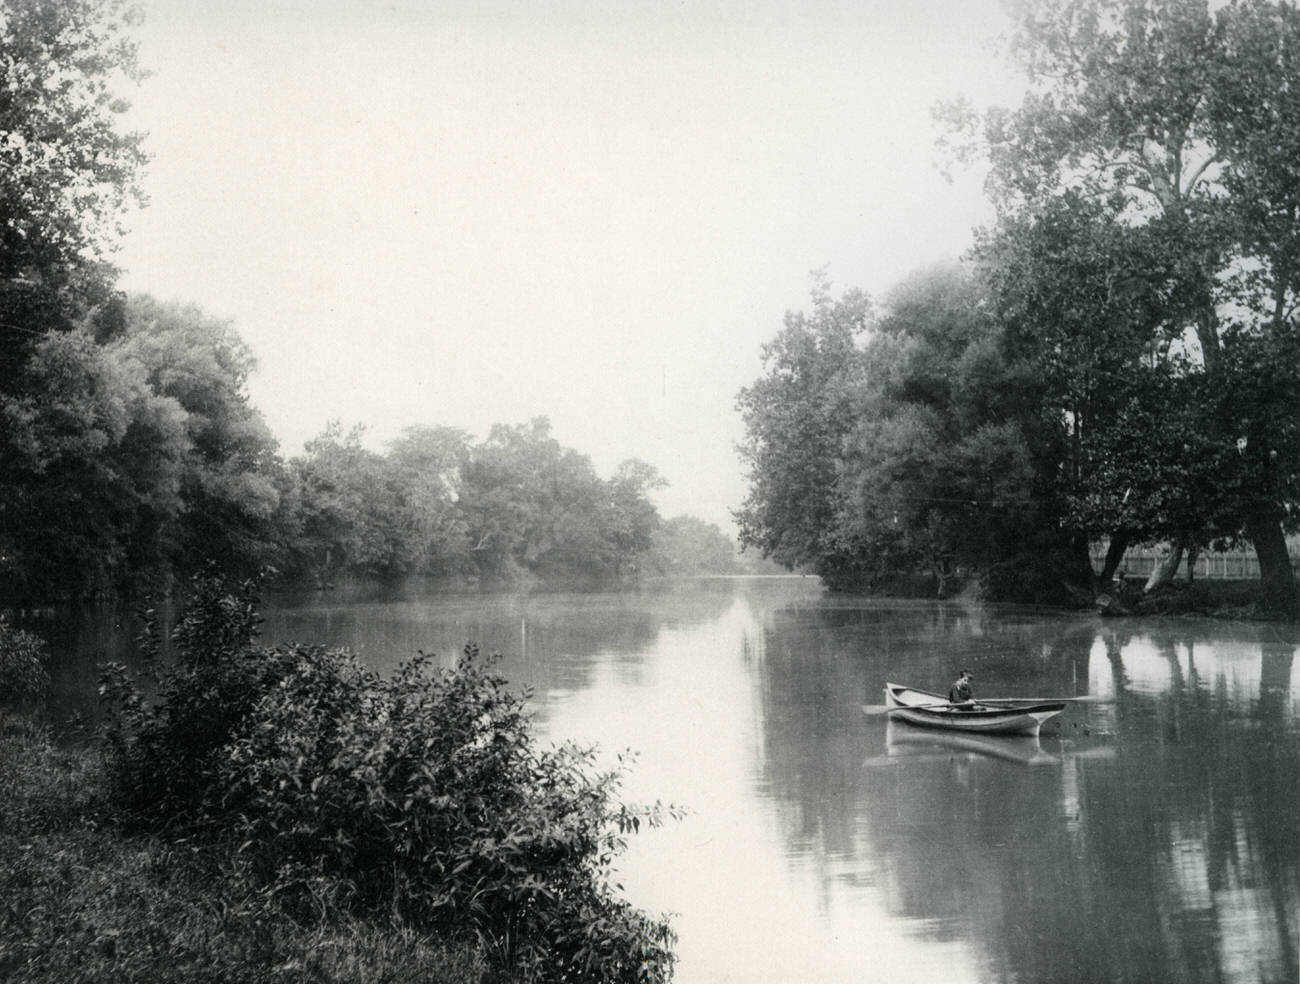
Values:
[(473, 213)]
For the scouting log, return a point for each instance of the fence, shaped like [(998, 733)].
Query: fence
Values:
[(1228, 565)]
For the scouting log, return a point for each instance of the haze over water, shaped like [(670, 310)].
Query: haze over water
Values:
[(1151, 839)]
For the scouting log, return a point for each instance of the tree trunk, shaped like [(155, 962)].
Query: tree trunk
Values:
[(1114, 554), (1167, 568), (1277, 579)]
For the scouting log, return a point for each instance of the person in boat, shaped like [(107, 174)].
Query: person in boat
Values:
[(961, 692)]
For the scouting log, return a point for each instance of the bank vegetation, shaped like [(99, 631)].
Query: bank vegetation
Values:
[(261, 814)]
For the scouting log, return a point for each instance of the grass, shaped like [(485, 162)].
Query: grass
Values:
[(1230, 599), (84, 902)]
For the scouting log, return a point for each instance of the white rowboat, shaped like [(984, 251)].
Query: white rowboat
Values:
[(934, 711)]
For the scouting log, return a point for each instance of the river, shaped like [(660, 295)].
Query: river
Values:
[(1152, 838)]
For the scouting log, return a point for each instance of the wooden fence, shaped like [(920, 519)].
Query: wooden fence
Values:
[(1226, 565)]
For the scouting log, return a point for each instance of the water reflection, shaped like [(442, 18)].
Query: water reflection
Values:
[(902, 741), (1159, 845), (1148, 839)]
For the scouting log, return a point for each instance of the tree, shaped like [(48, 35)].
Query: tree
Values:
[(228, 488), (946, 463), (347, 516), (67, 174), (797, 417), (1171, 125), (685, 545), (426, 463), (90, 461), (536, 508), (631, 519), (68, 170)]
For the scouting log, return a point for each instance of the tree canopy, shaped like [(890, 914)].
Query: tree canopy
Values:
[(1121, 363)]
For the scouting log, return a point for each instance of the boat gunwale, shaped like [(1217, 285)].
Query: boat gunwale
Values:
[(976, 713)]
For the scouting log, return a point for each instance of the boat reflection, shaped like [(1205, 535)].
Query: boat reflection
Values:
[(903, 740)]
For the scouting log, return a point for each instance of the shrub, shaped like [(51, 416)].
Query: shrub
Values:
[(83, 903), (422, 798), (24, 678), (165, 751), (425, 795)]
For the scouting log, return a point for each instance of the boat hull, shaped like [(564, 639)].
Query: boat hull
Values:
[(1024, 719)]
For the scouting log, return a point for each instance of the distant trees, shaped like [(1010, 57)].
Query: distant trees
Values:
[(685, 545), (516, 507), (535, 507)]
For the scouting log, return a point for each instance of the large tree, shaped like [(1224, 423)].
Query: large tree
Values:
[(68, 167), (1172, 125), (68, 172), (228, 485)]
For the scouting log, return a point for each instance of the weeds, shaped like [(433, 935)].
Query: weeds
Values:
[(421, 802), (24, 678)]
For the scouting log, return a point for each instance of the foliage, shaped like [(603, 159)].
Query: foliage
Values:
[(345, 516), (199, 367), (1147, 205), (421, 798), (796, 419), (535, 508), (24, 676), (67, 174), (687, 545), (135, 457), (923, 442), (165, 752), (68, 171), (83, 902), (514, 507)]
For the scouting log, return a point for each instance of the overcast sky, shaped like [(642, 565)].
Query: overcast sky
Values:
[(476, 212)]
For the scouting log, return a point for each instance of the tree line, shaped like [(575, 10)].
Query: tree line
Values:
[(1118, 358), (141, 459), (129, 451)]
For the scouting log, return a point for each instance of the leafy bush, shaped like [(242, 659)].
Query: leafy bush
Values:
[(23, 675), (423, 798), (165, 751), (84, 903)]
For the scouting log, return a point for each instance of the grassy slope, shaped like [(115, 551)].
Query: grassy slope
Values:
[(84, 902)]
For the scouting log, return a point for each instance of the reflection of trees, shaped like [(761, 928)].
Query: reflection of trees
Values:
[(1174, 860), (546, 640), (80, 639)]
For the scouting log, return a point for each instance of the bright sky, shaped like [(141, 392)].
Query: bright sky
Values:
[(468, 212)]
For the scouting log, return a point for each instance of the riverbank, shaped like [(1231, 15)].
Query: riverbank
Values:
[(1235, 599), (87, 901), (253, 813)]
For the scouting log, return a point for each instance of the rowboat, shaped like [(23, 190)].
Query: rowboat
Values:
[(934, 711)]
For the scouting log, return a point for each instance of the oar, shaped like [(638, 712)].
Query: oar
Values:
[(886, 709), (1045, 699)]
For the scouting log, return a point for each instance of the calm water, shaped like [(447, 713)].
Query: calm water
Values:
[(1151, 839)]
